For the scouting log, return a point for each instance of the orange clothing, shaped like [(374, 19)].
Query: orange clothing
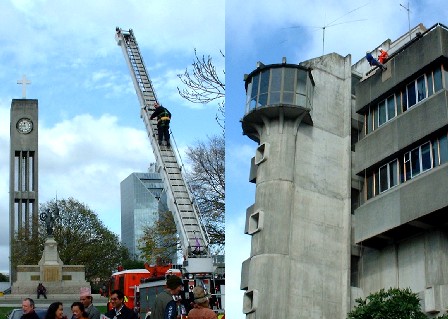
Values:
[(201, 313), (383, 56)]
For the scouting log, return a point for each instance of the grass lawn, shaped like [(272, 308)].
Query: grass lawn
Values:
[(4, 311)]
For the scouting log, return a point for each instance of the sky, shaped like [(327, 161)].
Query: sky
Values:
[(266, 31), (91, 136), (90, 132)]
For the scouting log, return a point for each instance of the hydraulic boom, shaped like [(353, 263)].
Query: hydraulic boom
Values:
[(193, 237)]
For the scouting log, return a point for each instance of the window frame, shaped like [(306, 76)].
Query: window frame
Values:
[(389, 175)]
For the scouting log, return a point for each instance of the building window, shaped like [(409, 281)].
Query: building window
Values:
[(407, 166), (443, 150), (430, 84), (421, 88), (391, 110), (438, 79), (276, 86), (440, 151), (386, 110), (410, 93), (388, 175), (369, 186), (418, 90), (264, 87), (420, 158)]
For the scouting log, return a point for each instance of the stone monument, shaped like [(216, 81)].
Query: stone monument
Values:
[(51, 271)]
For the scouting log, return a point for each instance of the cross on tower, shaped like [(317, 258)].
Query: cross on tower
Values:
[(24, 82)]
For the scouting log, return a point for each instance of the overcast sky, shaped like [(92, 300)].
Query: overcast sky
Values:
[(266, 31), (91, 136)]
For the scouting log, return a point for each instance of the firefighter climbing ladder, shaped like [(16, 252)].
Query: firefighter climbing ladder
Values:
[(193, 237)]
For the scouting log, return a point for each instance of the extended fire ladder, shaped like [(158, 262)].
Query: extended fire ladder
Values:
[(193, 237)]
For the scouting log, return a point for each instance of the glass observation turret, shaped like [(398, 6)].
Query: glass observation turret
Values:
[(271, 87)]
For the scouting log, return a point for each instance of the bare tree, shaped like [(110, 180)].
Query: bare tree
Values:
[(207, 183), (204, 85)]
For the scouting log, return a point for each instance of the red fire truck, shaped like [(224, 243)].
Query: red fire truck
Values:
[(128, 280)]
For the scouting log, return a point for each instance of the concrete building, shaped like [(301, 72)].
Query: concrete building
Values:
[(351, 180), (142, 197), (400, 226)]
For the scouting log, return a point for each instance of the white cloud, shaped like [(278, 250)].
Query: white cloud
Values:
[(85, 158)]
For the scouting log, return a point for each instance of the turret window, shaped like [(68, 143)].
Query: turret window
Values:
[(280, 85)]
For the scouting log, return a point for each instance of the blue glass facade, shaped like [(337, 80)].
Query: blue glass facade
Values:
[(140, 194)]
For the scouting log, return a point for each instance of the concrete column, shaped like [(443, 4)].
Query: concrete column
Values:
[(300, 222), (270, 220)]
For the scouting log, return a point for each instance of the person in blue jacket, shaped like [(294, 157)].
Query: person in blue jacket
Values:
[(374, 62)]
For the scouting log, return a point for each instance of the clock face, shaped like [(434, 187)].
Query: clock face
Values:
[(24, 126)]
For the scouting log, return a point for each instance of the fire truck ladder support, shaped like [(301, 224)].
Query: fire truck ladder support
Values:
[(193, 237)]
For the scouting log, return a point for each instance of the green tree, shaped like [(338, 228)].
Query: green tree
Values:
[(393, 303), (82, 240), (159, 242), (25, 250), (133, 264), (4, 278)]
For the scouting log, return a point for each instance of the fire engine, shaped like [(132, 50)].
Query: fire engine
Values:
[(199, 267), (128, 280)]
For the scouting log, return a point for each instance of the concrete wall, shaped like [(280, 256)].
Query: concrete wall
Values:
[(414, 263), (408, 221), (321, 219)]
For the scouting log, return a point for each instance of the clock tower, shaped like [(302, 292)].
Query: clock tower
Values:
[(23, 180)]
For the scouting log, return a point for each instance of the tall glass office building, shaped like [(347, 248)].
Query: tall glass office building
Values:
[(142, 197)]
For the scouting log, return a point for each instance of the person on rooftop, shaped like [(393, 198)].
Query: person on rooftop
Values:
[(374, 62)]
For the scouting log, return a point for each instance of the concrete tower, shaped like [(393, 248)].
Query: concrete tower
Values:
[(23, 180), (300, 222)]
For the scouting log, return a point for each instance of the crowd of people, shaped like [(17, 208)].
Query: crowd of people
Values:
[(168, 305), (82, 309)]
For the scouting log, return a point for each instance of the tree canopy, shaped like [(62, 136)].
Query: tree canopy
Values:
[(82, 240), (4, 278), (159, 241), (393, 303)]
